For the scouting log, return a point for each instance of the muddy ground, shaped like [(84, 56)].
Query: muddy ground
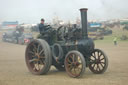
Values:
[(13, 70)]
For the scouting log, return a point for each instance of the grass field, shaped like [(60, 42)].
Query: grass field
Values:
[(116, 32)]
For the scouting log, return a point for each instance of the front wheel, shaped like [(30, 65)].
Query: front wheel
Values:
[(98, 61), (75, 64)]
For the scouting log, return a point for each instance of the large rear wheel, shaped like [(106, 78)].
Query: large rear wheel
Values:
[(38, 57)]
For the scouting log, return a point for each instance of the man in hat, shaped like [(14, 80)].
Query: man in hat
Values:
[(41, 26)]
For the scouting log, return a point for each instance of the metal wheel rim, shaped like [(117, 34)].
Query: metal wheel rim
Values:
[(74, 65), (98, 62), (35, 57)]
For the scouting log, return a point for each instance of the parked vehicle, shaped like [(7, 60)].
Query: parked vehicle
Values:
[(11, 36), (17, 37)]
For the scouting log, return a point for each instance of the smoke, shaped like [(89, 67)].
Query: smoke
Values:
[(30, 11), (114, 9)]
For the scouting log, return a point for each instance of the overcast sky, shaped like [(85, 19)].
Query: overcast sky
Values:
[(30, 11)]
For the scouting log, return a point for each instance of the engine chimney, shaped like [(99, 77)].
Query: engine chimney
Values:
[(84, 22)]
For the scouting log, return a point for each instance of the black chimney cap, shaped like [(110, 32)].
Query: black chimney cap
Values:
[(83, 9)]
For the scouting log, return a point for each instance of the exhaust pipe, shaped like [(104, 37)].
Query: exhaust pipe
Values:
[(84, 22)]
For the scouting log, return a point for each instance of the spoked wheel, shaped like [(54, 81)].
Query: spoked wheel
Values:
[(38, 57), (75, 64), (98, 61)]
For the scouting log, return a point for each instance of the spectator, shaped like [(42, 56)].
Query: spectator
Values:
[(115, 40)]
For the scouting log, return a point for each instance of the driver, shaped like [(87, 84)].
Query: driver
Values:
[(41, 26)]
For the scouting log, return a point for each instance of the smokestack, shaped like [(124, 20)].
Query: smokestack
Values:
[(84, 22)]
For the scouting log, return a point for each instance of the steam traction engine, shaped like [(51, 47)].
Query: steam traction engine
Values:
[(66, 49)]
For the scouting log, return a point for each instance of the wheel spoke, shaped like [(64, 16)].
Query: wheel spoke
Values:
[(79, 63), (38, 65), (32, 60), (41, 52), (34, 68), (102, 59), (34, 48), (102, 62), (98, 67), (92, 58), (94, 55), (71, 67), (93, 66), (74, 70), (97, 55), (73, 58), (69, 60), (31, 52), (43, 60), (100, 54), (79, 68), (38, 48), (92, 61), (101, 65)]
